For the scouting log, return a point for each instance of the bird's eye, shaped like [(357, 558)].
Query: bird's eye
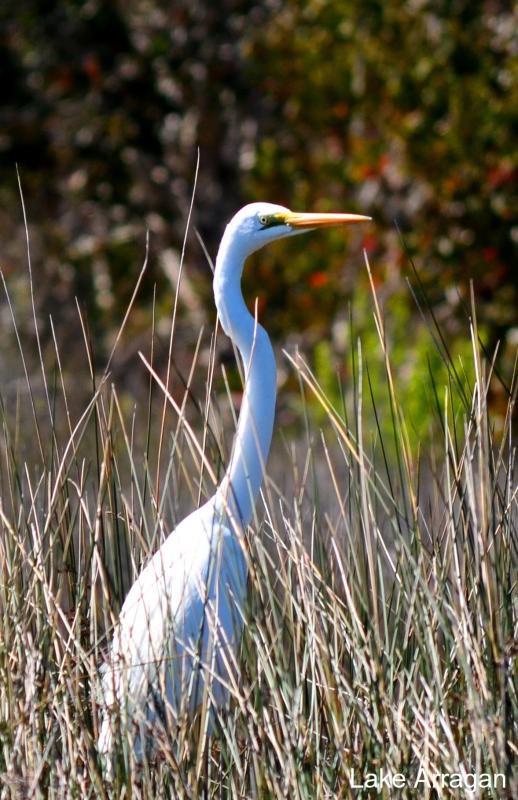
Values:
[(263, 219)]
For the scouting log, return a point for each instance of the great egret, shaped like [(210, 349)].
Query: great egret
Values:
[(175, 645)]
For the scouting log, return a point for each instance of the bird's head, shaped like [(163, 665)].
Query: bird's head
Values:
[(258, 224), (250, 229)]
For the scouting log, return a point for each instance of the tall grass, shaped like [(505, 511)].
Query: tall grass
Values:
[(382, 616)]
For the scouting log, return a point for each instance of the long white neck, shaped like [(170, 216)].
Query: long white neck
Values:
[(243, 478)]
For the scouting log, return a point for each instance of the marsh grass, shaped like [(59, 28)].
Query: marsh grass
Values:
[(382, 615)]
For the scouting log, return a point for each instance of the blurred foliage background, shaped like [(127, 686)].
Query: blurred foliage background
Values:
[(402, 109)]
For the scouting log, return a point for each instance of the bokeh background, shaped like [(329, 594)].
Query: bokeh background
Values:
[(402, 109)]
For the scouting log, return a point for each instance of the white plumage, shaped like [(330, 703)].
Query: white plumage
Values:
[(175, 645), (178, 631)]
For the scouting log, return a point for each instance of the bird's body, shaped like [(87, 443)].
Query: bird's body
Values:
[(175, 645), (180, 624)]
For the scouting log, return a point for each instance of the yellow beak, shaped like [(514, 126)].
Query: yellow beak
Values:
[(298, 220)]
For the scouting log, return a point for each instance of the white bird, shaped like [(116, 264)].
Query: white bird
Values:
[(175, 646)]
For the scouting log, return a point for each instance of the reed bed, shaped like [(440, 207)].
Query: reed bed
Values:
[(381, 634)]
